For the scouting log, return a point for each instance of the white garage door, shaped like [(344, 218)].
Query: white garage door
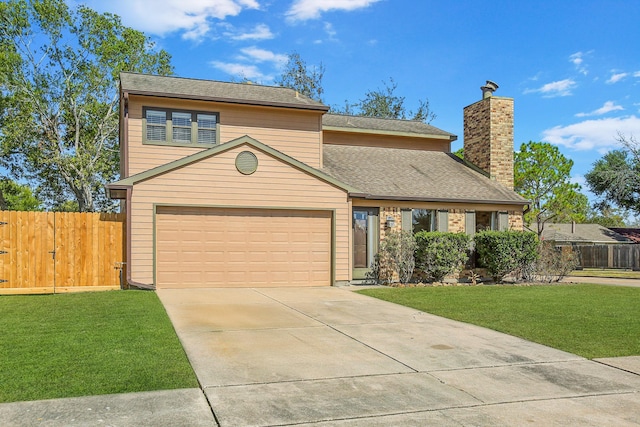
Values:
[(202, 247)]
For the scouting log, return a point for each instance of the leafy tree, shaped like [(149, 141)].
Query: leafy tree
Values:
[(17, 197), (384, 103), (606, 217), (59, 82), (306, 80), (616, 177), (542, 175)]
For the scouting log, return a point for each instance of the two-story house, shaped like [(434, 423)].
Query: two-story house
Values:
[(229, 184)]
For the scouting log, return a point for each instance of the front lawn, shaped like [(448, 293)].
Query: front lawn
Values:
[(589, 320), (85, 344)]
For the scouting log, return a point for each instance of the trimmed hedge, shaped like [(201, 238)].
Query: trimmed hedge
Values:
[(505, 252), (439, 254)]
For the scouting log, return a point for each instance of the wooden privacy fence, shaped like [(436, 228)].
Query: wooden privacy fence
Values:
[(609, 256), (50, 252)]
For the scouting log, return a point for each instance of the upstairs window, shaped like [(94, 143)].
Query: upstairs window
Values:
[(156, 125), (175, 127)]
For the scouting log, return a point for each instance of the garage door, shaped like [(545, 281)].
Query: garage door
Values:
[(201, 247)]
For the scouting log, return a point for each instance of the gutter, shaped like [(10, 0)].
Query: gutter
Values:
[(259, 103), (438, 199)]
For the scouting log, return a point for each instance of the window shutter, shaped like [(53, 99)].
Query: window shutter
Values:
[(470, 223), (407, 220), (503, 221), (443, 221)]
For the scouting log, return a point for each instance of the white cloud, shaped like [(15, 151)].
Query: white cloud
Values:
[(161, 17), (606, 108), (302, 10), (636, 74), (598, 134), (259, 32), (577, 59), (246, 66), (553, 89), (616, 77), (578, 179), (247, 71), (261, 55)]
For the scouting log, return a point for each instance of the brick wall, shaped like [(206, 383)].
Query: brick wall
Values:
[(456, 221), (488, 137), (393, 212), (516, 221)]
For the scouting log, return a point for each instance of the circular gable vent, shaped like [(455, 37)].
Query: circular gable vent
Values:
[(246, 163)]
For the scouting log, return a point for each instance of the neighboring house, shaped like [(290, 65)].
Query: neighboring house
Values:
[(581, 234), (632, 234), (228, 184)]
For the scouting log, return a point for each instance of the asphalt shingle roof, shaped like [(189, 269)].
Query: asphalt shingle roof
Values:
[(178, 87), (412, 175), (386, 125), (584, 233)]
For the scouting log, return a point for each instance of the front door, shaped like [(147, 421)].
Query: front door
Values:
[(365, 240)]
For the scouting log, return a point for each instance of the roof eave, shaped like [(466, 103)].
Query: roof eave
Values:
[(438, 199), (322, 108), (448, 137)]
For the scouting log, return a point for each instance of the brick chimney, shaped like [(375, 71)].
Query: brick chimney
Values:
[(488, 135)]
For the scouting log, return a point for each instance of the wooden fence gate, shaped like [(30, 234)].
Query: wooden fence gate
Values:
[(50, 252)]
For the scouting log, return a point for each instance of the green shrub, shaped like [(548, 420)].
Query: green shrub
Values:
[(439, 254), (395, 258), (505, 252)]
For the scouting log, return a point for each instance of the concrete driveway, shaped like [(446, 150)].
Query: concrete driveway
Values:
[(328, 356)]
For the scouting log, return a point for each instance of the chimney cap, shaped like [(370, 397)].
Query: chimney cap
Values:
[(488, 89)]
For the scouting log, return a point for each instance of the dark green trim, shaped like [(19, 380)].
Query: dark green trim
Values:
[(169, 128), (185, 161)]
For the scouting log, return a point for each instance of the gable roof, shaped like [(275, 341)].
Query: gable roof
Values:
[(345, 123), (400, 174), (201, 155), (210, 90), (580, 233)]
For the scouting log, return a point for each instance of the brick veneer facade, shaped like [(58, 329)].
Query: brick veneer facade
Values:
[(488, 137)]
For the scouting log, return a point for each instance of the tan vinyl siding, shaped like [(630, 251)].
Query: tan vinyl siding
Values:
[(215, 182), (388, 141), (295, 133)]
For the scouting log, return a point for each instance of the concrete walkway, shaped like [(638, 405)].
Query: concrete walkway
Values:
[(330, 357), (611, 281)]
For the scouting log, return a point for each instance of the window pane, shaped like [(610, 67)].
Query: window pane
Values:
[(206, 121), (181, 126), (423, 220), (156, 117), (206, 136), (181, 119), (182, 134), (156, 133)]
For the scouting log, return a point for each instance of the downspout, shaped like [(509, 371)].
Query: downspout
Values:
[(124, 137), (131, 282), (124, 143)]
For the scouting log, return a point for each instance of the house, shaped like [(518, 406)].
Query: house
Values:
[(581, 234), (228, 184), (630, 233)]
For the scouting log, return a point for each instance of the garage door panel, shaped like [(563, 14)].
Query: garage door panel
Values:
[(242, 247)]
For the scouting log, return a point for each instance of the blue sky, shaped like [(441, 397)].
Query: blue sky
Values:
[(573, 67)]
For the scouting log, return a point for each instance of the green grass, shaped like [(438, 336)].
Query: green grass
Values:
[(87, 344), (589, 320), (600, 272)]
